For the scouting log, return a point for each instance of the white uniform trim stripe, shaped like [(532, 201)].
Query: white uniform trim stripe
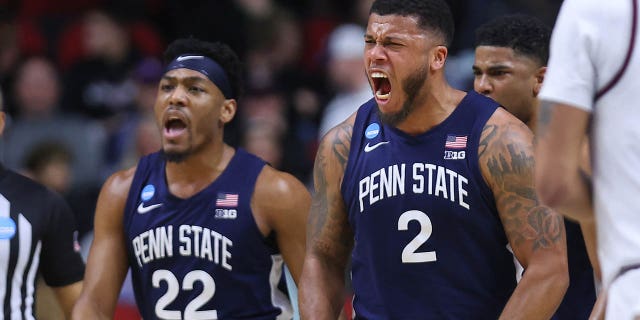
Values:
[(24, 250), (278, 298), (293, 293), (31, 278), (5, 206)]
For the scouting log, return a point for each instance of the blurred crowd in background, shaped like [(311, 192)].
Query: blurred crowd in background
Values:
[(80, 76)]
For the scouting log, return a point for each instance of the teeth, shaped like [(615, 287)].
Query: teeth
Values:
[(381, 96), (378, 75)]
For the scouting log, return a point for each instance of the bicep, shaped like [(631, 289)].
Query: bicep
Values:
[(107, 263), (507, 164), (329, 234), (289, 219)]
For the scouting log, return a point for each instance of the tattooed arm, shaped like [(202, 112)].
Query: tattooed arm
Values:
[(536, 233), (329, 236)]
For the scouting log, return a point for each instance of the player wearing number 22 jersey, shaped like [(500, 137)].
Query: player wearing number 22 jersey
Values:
[(204, 227), (428, 238), (203, 257)]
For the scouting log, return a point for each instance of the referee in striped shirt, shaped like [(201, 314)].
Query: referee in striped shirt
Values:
[(37, 235)]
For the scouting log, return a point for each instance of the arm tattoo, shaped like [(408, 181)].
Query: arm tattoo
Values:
[(513, 174), (540, 225), (341, 145), (328, 225), (319, 200), (488, 133), (510, 167)]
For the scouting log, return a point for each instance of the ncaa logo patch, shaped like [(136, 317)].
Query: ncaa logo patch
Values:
[(147, 192), (7, 228), (372, 131)]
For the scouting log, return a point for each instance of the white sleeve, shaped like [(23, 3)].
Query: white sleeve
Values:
[(571, 72)]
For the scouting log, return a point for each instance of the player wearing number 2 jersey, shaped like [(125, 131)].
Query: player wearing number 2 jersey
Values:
[(204, 228), (427, 186)]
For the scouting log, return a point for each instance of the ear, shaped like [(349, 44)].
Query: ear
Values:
[(439, 56), (539, 78), (228, 110)]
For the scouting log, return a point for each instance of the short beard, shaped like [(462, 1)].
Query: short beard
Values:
[(175, 157), (411, 87)]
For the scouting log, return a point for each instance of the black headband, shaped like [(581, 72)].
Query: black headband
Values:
[(206, 66)]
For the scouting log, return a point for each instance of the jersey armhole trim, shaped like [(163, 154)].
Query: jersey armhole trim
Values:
[(612, 83)]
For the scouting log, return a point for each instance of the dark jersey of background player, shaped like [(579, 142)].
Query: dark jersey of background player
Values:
[(408, 214), (203, 226), (511, 57)]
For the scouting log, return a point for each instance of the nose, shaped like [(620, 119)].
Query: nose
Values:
[(178, 96), (482, 85), (374, 52)]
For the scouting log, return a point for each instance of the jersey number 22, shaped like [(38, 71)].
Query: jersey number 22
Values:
[(191, 311)]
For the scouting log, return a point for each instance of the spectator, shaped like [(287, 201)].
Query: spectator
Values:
[(36, 93), (346, 75)]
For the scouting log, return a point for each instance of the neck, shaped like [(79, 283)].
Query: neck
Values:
[(435, 103), (198, 170), (533, 121)]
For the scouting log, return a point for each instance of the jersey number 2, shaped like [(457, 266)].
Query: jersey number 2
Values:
[(173, 288), (409, 254)]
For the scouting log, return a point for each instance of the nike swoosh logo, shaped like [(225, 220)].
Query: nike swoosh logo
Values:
[(182, 58), (368, 148), (142, 209)]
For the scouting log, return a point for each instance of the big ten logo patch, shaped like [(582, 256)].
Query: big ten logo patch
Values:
[(226, 214), (454, 155)]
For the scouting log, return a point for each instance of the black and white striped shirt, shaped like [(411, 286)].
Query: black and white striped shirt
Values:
[(36, 235)]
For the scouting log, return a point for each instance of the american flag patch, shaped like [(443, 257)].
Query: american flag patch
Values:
[(455, 142), (227, 200)]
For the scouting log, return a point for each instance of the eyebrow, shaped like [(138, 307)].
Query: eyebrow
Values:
[(493, 67), (385, 38)]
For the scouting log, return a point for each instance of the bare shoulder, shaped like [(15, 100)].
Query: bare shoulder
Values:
[(113, 197), (280, 202), (278, 189), (118, 184), (333, 152)]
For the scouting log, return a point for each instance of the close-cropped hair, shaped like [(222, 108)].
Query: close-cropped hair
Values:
[(433, 15), (526, 35), (217, 51)]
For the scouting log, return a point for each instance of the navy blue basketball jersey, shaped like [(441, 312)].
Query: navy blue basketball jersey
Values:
[(580, 297), (202, 257), (429, 243)]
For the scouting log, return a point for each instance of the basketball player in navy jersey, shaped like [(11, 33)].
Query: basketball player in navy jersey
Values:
[(427, 186), (511, 55), (37, 235), (204, 227)]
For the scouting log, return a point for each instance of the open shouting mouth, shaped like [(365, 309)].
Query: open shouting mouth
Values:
[(381, 85)]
